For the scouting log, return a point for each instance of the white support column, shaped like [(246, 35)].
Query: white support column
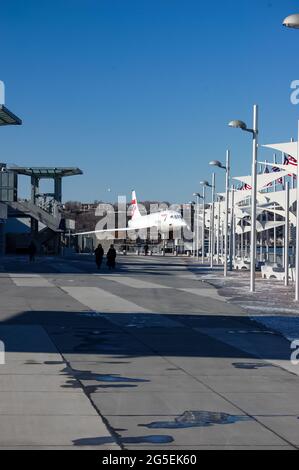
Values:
[(203, 224), (232, 231), (253, 199), (274, 218), (218, 232), (212, 221), (297, 227), (227, 182), (287, 234)]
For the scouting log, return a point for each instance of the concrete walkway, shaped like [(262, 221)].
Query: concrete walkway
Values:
[(146, 357), (38, 408)]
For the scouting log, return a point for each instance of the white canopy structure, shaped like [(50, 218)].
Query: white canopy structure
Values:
[(266, 178), (289, 148)]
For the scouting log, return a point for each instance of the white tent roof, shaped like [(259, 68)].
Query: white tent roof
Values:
[(288, 147), (265, 178)]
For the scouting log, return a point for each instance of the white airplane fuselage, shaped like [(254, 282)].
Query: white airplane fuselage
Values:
[(164, 221)]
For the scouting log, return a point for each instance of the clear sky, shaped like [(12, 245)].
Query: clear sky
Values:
[(138, 93)]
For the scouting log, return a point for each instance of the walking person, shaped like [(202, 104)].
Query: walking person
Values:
[(32, 251), (111, 256), (99, 253)]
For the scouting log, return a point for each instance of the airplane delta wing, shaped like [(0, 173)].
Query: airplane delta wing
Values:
[(125, 229)]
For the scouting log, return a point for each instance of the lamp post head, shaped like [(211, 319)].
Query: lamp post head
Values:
[(216, 163), (291, 21), (236, 124), (205, 183)]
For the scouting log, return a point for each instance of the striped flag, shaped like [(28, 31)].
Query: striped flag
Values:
[(288, 160), (276, 169), (267, 171), (246, 187)]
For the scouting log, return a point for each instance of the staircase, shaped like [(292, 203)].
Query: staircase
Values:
[(46, 238), (28, 209)]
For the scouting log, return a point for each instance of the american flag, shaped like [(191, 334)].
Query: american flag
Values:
[(246, 187), (288, 160), (267, 171), (276, 169)]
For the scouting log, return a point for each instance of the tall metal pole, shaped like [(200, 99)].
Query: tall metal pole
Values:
[(218, 231), (203, 224), (297, 228), (193, 211), (253, 199), (197, 225), (235, 236), (266, 257), (221, 237), (274, 218), (193, 217), (260, 218), (287, 234), (212, 222), (293, 176), (210, 233), (232, 231), (242, 239), (227, 179)]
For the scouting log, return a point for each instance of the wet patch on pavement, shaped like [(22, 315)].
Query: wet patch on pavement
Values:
[(251, 365), (192, 419)]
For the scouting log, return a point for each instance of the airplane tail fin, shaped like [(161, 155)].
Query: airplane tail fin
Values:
[(135, 210)]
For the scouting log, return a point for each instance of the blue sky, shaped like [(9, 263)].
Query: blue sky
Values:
[(138, 93)]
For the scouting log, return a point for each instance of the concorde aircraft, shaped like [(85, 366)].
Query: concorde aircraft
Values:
[(164, 221)]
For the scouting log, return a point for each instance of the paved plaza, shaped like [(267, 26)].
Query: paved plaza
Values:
[(146, 357)]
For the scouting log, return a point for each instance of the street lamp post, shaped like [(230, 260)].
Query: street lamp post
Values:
[(292, 21), (212, 222), (225, 167), (218, 230), (198, 196), (192, 211), (287, 233), (203, 224), (232, 245), (254, 132), (208, 185)]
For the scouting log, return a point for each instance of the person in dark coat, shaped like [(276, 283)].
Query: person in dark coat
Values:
[(111, 256), (99, 253), (32, 251)]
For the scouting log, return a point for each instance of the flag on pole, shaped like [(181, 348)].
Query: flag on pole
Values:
[(267, 171), (246, 187), (289, 160), (276, 169)]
